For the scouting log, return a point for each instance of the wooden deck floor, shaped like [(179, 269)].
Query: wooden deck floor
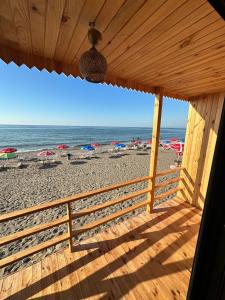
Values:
[(145, 257)]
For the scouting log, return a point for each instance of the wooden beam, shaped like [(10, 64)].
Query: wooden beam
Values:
[(155, 146), (30, 231), (70, 226), (108, 218), (95, 208), (32, 250), (167, 182), (170, 171), (168, 193)]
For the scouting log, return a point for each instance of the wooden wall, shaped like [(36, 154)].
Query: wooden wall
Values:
[(201, 134)]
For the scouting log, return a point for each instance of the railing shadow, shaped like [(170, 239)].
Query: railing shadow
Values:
[(101, 281)]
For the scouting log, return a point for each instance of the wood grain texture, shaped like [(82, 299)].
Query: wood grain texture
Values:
[(201, 135), (144, 257), (21, 18), (154, 147), (37, 12), (32, 250), (95, 208), (106, 219), (54, 13), (33, 230), (177, 45)]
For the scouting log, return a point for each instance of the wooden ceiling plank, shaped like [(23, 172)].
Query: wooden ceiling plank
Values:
[(142, 35), (204, 90), (200, 92), (126, 11), (8, 30), (206, 59), (171, 11), (196, 77), (69, 21), (20, 13), (89, 12), (54, 14), (143, 14), (102, 21), (37, 9), (179, 37), (213, 70), (178, 65), (199, 39), (209, 82), (5, 10)]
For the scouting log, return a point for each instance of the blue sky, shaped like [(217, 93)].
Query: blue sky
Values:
[(34, 97)]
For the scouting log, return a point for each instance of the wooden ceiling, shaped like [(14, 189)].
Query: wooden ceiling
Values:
[(175, 44)]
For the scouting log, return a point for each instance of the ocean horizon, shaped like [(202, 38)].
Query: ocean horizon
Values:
[(37, 137)]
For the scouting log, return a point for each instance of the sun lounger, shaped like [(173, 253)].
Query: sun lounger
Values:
[(3, 168), (116, 155), (18, 165)]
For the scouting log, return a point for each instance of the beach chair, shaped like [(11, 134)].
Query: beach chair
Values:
[(20, 165), (3, 168), (112, 150), (116, 155)]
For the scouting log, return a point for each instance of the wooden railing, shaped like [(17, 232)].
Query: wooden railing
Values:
[(68, 236)]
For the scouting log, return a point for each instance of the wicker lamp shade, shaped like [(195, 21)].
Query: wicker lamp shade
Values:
[(92, 64)]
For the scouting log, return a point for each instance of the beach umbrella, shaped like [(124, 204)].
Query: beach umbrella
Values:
[(46, 153), (62, 146), (149, 142), (7, 155), (87, 148), (95, 145), (120, 146), (178, 147), (173, 140), (114, 143), (137, 142), (8, 150)]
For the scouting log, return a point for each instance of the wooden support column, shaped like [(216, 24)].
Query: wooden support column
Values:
[(70, 226), (155, 146)]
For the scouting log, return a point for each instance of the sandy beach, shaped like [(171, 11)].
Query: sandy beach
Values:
[(34, 184)]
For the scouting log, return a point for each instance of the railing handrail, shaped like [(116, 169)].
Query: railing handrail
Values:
[(63, 201), (66, 200), (70, 216)]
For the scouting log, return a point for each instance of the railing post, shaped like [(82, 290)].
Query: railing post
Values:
[(70, 226), (155, 146)]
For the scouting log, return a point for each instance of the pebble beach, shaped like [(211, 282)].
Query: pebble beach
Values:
[(34, 183)]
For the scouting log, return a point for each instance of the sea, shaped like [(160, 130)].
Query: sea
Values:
[(36, 137)]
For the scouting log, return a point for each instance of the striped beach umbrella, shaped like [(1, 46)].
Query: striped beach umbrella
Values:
[(7, 155), (46, 153), (8, 150)]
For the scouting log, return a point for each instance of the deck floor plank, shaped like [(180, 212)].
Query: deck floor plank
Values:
[(148, 256)]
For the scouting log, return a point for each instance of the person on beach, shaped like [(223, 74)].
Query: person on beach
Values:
[(69, 156)]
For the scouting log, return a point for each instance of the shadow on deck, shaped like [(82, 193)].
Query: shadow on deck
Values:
[(145, 257)]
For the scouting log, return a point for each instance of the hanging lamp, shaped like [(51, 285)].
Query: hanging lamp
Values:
[(92, 63)]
